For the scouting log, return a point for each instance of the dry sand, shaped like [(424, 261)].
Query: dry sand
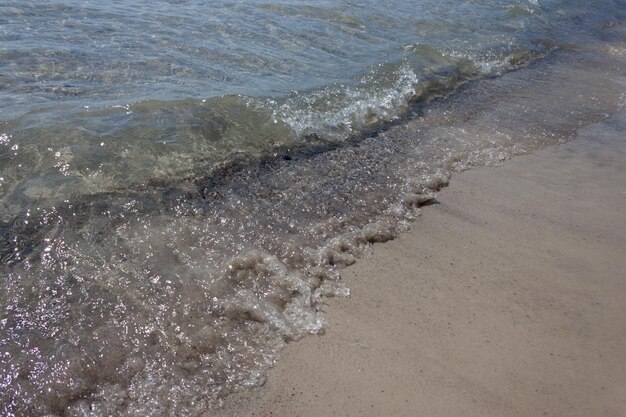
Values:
[(507, 298)]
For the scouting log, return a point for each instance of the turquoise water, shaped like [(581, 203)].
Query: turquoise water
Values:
[(98, 54), (182, 181)]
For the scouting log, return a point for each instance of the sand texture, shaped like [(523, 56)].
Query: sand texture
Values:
[(507, 298)]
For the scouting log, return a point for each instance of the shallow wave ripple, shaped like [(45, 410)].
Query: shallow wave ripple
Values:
[(100, 97)]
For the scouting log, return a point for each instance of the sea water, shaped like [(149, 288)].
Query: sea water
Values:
[(182, 181)]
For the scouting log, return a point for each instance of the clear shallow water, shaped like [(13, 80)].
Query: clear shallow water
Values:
[(116, 53), (181, 181), (97, 96)]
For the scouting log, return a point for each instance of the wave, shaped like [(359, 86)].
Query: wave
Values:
[(122, 147)]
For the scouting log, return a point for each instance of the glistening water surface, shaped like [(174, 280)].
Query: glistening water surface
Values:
[(102, 95), (181, 181)]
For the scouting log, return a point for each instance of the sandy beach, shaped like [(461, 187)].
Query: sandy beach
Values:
[(507, 298)]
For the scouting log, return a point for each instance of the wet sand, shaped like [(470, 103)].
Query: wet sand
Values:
[(507, 298)]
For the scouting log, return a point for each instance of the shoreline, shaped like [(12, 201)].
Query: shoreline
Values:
[(276, 238), (166, 235), (506, 298)]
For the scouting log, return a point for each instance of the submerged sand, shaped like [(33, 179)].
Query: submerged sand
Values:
[(508, 298)]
